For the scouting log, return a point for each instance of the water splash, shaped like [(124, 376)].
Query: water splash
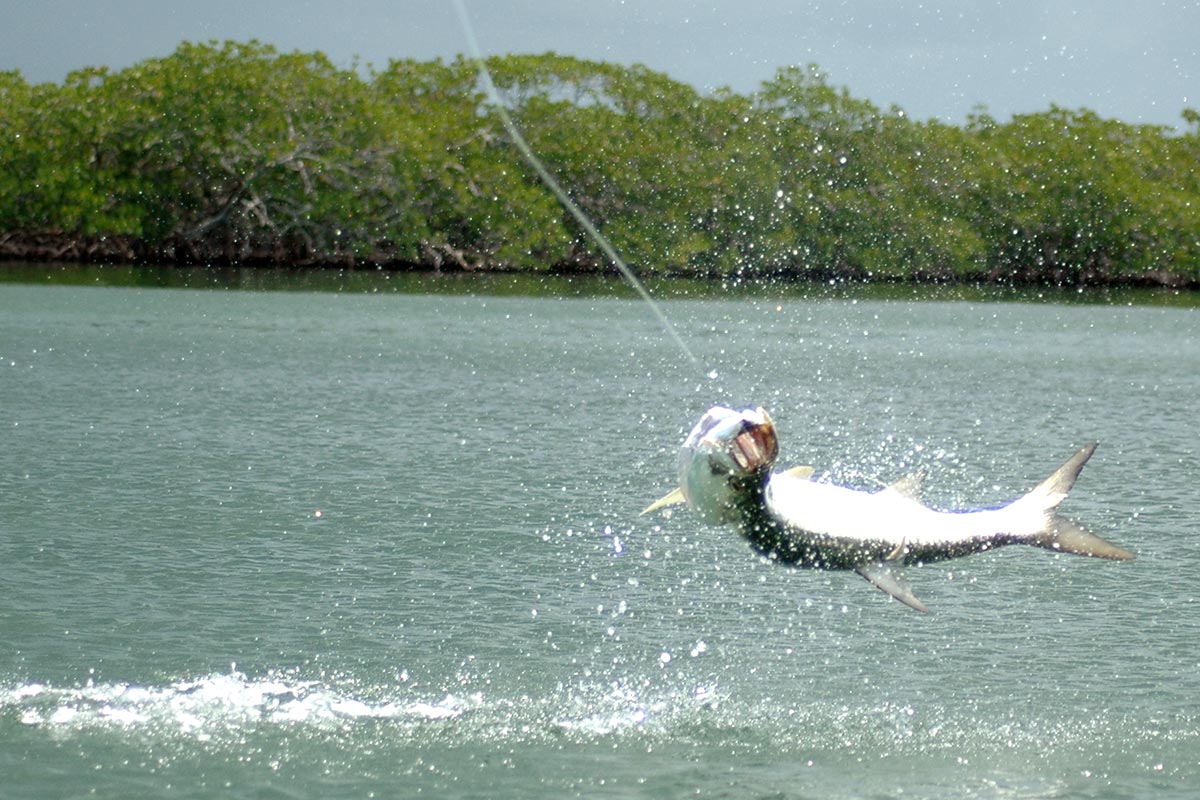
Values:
[(206, 707), (226, 706), (229, 707)]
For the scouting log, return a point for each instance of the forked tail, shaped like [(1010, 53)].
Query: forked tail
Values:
[(1059, 533)]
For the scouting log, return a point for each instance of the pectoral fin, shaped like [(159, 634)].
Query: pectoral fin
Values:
[(675, 496), (886, 577), (671, 498)]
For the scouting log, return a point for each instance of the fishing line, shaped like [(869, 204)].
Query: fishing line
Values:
[(493, 97)]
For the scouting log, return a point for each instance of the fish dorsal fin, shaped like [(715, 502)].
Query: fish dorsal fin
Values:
[(671, 498), (911, 486), (886, 576), (803, 473)]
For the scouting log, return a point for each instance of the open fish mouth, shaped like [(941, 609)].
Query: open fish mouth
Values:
[(756, 447), (725, 456)]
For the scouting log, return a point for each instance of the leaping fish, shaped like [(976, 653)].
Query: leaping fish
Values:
[(725, 476)]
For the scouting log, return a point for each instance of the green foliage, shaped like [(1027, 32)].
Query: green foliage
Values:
[(239, 153)]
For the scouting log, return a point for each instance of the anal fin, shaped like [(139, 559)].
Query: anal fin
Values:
[(886, 577)]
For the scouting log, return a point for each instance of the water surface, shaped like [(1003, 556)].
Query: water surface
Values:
[(346, 543)]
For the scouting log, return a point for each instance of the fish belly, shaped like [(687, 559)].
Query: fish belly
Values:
[(871, 526)]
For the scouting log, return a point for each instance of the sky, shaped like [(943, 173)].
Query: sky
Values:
[(1134, 60)]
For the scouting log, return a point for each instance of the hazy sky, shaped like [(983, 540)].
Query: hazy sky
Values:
[(1136, 60)]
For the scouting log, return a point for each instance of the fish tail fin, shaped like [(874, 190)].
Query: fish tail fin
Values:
[(1059, 533), (1067, 536), (1049, 494)]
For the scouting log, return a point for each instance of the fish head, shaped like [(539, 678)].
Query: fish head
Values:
[(725, 461)]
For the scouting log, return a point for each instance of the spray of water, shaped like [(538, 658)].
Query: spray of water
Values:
[(552, 183)]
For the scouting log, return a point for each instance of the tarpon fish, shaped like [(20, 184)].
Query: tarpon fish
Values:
[(725, 476)]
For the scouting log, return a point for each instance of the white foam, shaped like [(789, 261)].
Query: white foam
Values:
[(212, 704), (226, 706)]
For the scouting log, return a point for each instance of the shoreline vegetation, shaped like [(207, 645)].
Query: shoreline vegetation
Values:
[(237, 154)]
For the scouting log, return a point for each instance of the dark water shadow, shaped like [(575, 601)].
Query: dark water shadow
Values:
[(368, 280)]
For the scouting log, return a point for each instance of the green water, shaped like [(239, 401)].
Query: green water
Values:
[(349, 542)]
